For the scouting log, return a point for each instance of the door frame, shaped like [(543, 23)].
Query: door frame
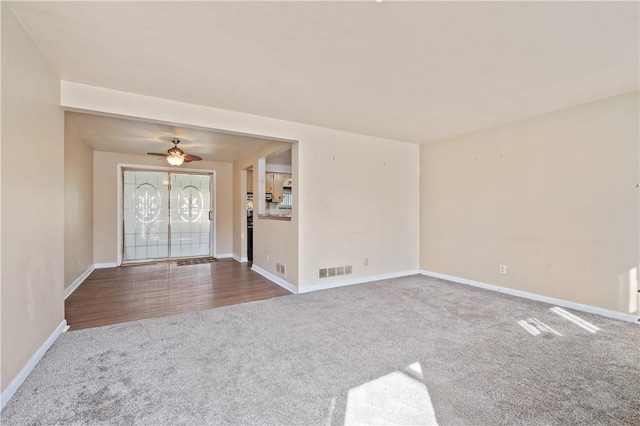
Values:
[(120, 206)]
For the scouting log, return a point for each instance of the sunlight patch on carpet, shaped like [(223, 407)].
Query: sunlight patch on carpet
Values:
[(575, 319), (398, 398), (534, 326)]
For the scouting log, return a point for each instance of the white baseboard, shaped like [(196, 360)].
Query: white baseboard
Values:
[(78, 281), (240, 259), (342, 283), (268, 275), (533, 296), (105, 265), (224, 255), (30, 365)]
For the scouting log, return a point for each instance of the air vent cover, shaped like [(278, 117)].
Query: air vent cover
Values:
[(335, 271)]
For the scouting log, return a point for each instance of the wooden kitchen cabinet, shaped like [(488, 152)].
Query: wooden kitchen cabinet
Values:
[(274, 183), (249, 180), (277, 188), (268, 183), (273, 186)]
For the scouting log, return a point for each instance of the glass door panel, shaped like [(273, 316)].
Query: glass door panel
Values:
[(146, 215), (190, 223)]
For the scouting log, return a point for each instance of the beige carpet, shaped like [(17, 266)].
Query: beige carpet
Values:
[(414, 350)]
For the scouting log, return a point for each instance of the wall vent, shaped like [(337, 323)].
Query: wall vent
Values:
[(335, 271), (280, 268)]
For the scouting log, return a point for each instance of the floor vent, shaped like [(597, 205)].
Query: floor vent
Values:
[(335, 271), (281, 269)]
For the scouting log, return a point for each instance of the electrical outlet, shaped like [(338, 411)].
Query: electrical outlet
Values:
[(366, 261), (503, 269)]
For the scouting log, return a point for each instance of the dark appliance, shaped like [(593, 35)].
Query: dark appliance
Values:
[(250, 235)]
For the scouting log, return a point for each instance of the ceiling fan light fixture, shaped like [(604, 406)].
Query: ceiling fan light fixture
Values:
[(175, 160), (175, 156)]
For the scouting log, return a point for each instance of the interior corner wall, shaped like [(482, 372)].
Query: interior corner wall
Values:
[(78, 206), (32, 194), (105, 201), (553, 198)]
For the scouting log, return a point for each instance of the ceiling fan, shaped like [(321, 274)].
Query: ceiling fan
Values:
[(175, 156)]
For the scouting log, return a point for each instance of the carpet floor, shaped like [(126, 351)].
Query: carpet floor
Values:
[(413, 350)]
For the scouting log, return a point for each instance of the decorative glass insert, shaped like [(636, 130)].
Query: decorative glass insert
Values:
[(190, 203), (146, 203)]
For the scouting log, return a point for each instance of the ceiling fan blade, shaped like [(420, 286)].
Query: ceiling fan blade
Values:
[(189, 158), (157, 153)]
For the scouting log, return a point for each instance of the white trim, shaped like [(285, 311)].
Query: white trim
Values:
[(105, 265), (119, 214), (240, 259), (224, 256), (533, 296), (213, 226), (78, 281), (343, 283), (268, 275), (30, 365)]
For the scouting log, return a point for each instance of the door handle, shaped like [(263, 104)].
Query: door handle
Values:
[(210, 214)]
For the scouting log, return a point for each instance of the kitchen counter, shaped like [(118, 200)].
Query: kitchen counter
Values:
[(285, 217)]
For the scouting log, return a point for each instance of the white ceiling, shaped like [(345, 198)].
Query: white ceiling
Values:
[(112, 134), (412, 71)]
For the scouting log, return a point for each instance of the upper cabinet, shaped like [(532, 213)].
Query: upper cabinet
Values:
[(273, 186), (268, 183), (276, 178), (275, 183), (249, 180), (277, 187)]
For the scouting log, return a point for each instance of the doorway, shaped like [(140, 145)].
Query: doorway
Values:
[(166, 215)]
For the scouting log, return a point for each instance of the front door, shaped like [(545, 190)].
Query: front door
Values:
[(166, 215)]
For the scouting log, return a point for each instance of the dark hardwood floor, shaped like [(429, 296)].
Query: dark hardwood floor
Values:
[(114, 295)]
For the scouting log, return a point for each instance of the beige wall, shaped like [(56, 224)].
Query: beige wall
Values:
[(552, 197), (32, 195), (363, 203), (360, 200), (2, 107), (78, 206), (105, 230)]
